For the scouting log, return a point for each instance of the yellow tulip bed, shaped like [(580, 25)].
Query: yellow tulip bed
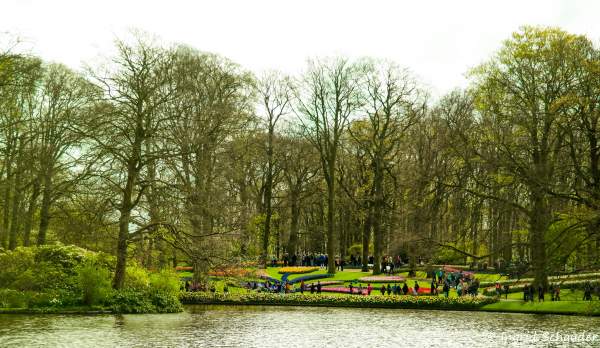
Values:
[(297, 270)]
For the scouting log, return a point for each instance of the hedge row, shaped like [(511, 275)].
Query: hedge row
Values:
[(373, 301)]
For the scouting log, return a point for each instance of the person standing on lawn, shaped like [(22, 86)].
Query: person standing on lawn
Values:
[(302, 286), (405, 289), (319, 287), (531, 292), (506, 291), (383, 289), (389, 290), (446, 289), (351, 288), (526, 293), (369, 289)]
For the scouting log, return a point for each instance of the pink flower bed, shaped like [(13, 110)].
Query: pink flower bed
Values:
[(382, 279), (375, 291)]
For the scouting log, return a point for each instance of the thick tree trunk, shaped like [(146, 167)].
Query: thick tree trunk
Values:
[(330, 223), (125, 216), (45, 208), (35, 192), (538, 224), (6, 208), (16, 211), (378, 207), (366, 239), (267, 200), (294, 226)]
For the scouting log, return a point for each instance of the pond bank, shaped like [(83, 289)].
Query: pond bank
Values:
[(486, 304)]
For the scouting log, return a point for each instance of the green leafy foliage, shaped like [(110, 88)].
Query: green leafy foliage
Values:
[(94, 283)]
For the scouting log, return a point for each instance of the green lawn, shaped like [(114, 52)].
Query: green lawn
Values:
[(561, 307)]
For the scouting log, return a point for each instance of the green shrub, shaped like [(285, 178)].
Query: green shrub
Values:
[(165, 302), (12, 299), (14, 263), (166, 281), (130, 301), (94, 282), (152, 301), (136, 278)]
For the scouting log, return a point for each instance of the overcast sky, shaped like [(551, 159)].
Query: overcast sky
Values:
[(438, 40)]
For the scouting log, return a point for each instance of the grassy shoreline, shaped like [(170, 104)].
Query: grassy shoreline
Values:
[(579, 308)]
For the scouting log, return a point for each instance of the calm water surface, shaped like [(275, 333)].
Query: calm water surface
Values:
[(249, 326)]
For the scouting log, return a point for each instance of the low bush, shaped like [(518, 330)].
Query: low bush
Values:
[(94, 283), (151, 301), (136, 278)]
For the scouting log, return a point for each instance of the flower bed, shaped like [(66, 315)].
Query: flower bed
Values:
[(373, 301), (374, 291), (574, 284), (572, 278), (297, 270), (382, 279)]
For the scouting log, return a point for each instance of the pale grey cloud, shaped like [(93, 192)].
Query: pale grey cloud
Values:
[(438, 40)]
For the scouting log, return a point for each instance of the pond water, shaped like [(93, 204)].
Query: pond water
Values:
[(263, 326)]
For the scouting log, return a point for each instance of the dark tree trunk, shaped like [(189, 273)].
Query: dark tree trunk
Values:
[(35, 192), (45, 208)]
